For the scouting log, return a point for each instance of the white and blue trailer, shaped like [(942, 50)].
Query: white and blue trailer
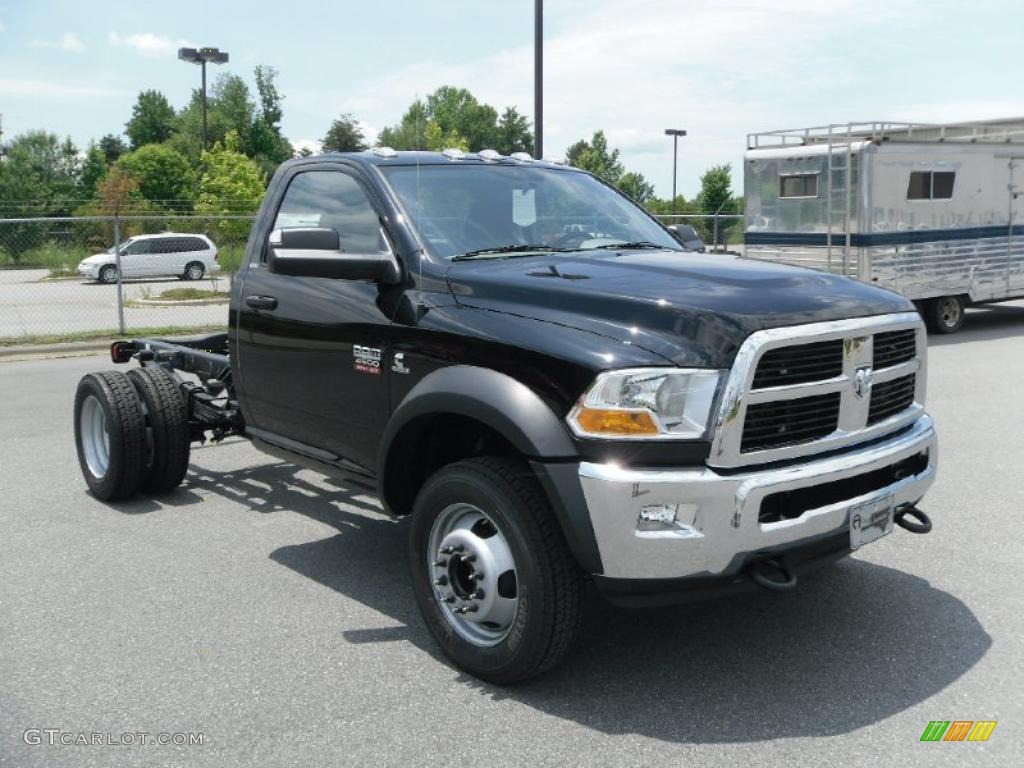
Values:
[(932, 211)]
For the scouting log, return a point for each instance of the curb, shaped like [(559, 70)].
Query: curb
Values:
[(65, 349)]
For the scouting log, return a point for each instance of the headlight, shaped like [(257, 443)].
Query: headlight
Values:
[(658, 403)]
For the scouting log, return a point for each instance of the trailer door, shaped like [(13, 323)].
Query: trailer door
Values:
[(1015, 234)]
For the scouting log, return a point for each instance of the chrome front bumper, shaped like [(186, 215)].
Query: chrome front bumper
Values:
[(718, 512)]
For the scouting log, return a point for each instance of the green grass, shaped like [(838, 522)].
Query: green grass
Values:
[(230, 257), (109, 334), (189, 294), (58, 258)]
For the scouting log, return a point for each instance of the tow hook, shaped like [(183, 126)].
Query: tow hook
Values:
[(923, 524), (759, 571)]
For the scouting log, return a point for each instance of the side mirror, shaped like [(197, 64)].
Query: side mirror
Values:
[(315, 252)]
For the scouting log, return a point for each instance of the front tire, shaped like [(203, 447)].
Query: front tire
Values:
[(945, 314), (194, 270), (108, 274), (110, 435), (492, 574)]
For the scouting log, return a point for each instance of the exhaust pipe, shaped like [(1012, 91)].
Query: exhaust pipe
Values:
[(923, 524), (766, 573)]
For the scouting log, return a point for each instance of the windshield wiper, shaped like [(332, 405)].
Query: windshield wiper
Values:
[(528, 248), (631, 245)]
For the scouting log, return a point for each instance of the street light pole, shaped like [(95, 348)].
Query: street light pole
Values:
[(538, 79), (201, 56), (675, 133)]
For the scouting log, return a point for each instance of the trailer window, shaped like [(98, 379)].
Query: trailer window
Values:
[(931, 185), (799, 185)]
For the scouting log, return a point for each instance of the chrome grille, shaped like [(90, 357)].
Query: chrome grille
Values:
[(894, 347), (803, 390), (800, 363), (891, 397), (776, 424)]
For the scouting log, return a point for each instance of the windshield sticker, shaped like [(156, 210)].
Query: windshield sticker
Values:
[(524, 207)]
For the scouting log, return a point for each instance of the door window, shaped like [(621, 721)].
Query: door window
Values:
[(332, 199), (137, 247)]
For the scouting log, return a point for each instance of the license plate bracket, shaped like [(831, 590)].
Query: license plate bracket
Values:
[(870, 521)]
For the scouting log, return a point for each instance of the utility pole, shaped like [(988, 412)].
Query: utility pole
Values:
[(675, 133), (201, 56), (538, 79)]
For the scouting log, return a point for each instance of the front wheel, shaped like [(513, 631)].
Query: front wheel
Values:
[(945, 314), (108, 274), (194, 270), (492, 574)]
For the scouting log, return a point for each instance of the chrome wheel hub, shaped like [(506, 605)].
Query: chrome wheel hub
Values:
[(949, 311), (473, 574), (95, 438)]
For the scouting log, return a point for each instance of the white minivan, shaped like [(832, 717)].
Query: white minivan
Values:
[(169, 254)]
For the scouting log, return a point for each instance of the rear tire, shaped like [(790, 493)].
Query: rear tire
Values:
[(110, 435), (194, 270), (498, 510), (166, 417), (945, 314), (108, 274)]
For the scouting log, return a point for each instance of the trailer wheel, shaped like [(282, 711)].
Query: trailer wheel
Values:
[(166, 418), (945, 314), (110, 435), (492, 574)]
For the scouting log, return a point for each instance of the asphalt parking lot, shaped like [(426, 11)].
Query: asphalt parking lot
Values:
[(268, 609), (34, 306)]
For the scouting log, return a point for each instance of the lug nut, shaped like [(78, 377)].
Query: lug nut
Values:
[(441, 581), (440, 563), (477, 576), (466, 609), (468, 558), (478, 595), (451, 550), (448, 599)]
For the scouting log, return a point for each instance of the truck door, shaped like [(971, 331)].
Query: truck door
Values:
[(312, 350)]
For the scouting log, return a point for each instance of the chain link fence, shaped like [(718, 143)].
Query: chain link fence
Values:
[(69, 278), (66, 278)]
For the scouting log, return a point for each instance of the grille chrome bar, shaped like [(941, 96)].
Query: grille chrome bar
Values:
[(732, 447)]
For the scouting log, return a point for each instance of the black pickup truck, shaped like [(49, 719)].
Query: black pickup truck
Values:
[(527, 364)]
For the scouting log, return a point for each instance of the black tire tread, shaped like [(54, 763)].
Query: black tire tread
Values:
[(168, 420), (128, 435), (933, 321), (563, 615)]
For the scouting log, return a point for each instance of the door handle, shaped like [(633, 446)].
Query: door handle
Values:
[(268, 303)]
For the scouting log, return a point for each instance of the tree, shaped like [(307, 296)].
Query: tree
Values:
[(344, 135), (437, 141), (113, 147), (408, 134), (94, 168), (164, 175), (457, 110), (39, 175), (232, 184), (716, 197), (636, 186), (514, 133), (594, 156), (266, 144), (152, 121)]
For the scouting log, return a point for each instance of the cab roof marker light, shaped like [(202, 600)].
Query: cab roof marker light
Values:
[(489, 154), (384, 152), (523, 157), (453, 153)]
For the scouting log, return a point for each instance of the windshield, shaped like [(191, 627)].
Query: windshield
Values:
[(124, 245), (494, 211)]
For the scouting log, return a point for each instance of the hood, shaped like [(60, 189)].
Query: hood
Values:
[(98, 258), (691, 308)]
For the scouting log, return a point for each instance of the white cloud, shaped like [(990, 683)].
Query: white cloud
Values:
[(43, 88), (69, 41), (634, 72), (313, 145), (146, 43)]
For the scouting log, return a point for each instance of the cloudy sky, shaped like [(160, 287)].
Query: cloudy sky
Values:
[(720, 69)]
